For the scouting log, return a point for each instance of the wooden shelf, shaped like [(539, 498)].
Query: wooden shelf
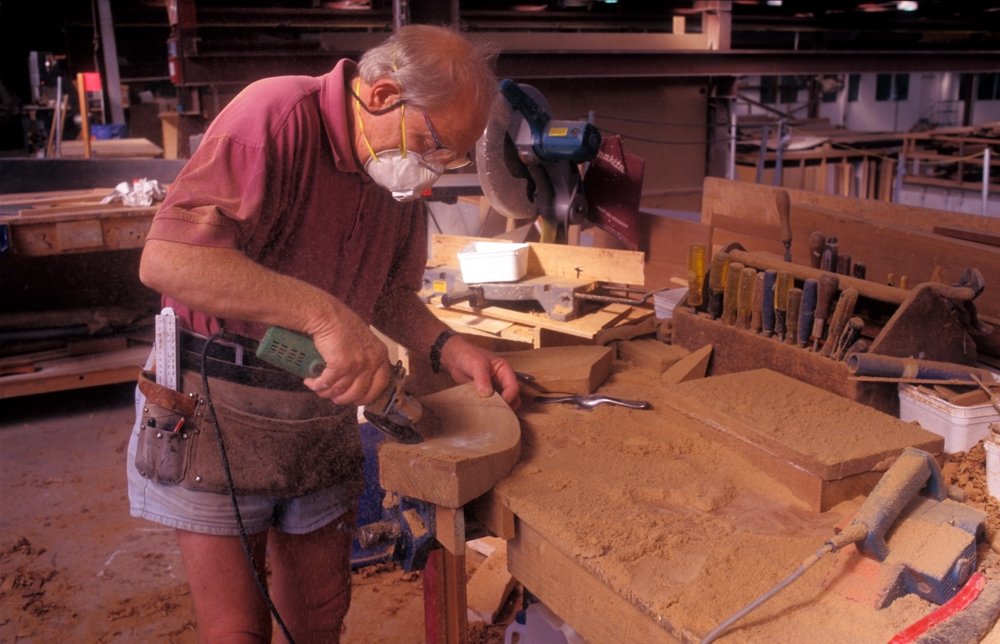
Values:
[(74, 372)]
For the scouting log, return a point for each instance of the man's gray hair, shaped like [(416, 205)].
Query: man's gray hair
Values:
[(433, 65)]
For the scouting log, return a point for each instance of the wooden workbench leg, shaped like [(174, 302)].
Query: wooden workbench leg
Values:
[(446, 619)]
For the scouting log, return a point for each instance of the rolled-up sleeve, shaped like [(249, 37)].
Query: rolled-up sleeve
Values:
[(217, 198)]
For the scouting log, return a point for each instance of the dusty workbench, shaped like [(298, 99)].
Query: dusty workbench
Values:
[(640, 526)]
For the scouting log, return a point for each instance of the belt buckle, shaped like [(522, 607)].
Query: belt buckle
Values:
[(236, 347)]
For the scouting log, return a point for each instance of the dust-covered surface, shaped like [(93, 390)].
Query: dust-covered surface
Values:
[(74, 566), (686, 529)]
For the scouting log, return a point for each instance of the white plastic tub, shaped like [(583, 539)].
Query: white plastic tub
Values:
[(962, 427), (493, 262)]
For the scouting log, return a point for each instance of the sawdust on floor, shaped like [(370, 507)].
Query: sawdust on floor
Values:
[(74, 566), (686, 529)]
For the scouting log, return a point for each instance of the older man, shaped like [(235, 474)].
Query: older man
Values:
[(298, 210)]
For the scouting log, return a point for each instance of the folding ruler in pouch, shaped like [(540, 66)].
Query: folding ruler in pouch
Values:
[(165, 348)]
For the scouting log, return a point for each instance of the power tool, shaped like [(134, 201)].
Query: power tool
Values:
[(529, 165), (394, 412)]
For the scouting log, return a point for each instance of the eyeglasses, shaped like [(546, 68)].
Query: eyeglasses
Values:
[(440, 154)]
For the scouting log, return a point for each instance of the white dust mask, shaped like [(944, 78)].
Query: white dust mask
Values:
[(405, 175), (402, 172)]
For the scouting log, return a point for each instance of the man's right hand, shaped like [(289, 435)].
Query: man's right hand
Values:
[(357, 362)]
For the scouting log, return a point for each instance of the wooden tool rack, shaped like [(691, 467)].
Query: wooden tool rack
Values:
[(890, 238)]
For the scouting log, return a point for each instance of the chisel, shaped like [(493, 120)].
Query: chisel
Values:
[(784, 204), (817, 241), (844, 264), (843, 311), (732, 292), (696, 275), (829, 260), (794, 307), (767, 303), (806, 311), (744, 298), (717, 283), (825, 291), (756, 301), (851, 333), (781, 286)]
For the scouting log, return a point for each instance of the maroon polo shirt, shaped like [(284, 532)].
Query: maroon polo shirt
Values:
[(275, 177)]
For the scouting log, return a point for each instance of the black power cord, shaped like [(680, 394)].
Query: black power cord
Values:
[(244, 539)]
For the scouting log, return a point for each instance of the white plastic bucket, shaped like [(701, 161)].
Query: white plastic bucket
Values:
[(992, 445), (542, 626)]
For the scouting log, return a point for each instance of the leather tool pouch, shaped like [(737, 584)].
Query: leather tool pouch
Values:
[(267, 456), (164, 449)]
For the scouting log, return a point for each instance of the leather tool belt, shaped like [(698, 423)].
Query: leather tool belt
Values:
[(232, 359)]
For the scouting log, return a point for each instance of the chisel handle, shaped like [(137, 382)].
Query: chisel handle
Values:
[(792, 315), (807, 311), (844, 310), (767, 304), (825, 291), (756, 302), (817, 241), (732, 293), (744, 298)]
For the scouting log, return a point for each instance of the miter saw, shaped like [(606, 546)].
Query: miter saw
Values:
[(530, 166)]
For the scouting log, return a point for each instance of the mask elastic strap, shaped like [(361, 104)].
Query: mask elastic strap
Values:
[(361, 123), (402, 110)]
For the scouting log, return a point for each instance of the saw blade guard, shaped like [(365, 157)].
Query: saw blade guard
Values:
[(528, 163)]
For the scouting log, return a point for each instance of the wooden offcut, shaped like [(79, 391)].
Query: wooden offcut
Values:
[(569, 369), (823, 448), (489, 586), (470, 443)]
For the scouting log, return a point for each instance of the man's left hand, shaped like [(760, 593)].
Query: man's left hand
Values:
[(468, 363)]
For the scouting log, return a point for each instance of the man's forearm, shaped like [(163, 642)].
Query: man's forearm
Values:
[(224, 283)]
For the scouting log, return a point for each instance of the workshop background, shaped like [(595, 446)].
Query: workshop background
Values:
[(796, 279)]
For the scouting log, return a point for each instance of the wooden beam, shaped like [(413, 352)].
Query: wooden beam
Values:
[(556, 260)]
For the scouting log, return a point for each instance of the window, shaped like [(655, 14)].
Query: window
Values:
[(853, 87), (789, 86), (988, 87), (892, 87), (768, 89), (779, 89)]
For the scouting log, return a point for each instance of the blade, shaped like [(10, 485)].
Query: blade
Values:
[(505, 181)]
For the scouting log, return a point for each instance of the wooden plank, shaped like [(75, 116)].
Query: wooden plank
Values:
[(469, 444), (39, 235), (586, 326), (556, 260), (741, 350), (979, 236), (570, 369), (756, 202), (489, 586), (591, 607), (106, 148), (813, 440), (668, 239), (52, 197), (76, 372)]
